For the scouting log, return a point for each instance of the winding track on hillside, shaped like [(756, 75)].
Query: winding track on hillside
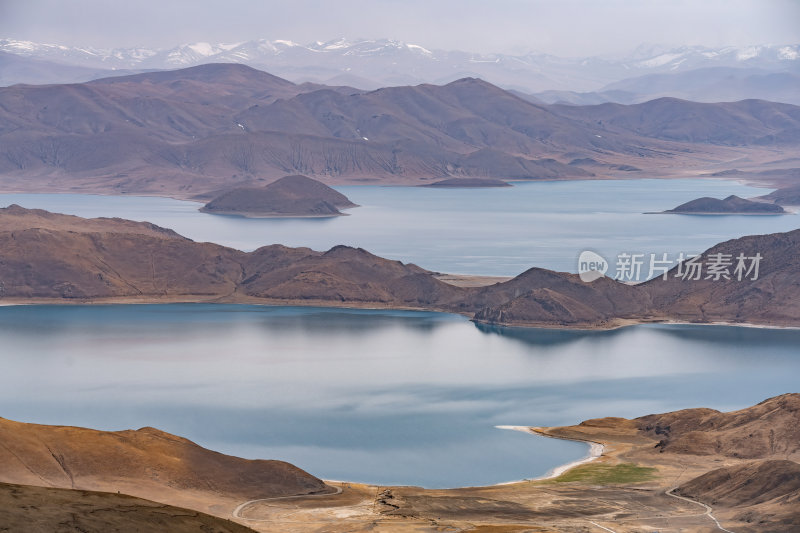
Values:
[(237, 512), (708, 509)]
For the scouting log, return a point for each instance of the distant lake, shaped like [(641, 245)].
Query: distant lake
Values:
[(501, 231), (386, 397)]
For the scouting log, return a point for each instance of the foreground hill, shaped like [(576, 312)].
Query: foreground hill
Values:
[(770, 429), (147, 463), (743, 464), (48, 510), (762, 495), (630, 487), (291, 196), (46, 257), (208, 128)]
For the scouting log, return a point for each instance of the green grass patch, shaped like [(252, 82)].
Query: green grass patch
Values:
[(606, 474)]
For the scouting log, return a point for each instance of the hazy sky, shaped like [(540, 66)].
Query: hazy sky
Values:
[(561, 27)]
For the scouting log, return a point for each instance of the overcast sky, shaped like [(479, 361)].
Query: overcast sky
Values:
[(561, 27)]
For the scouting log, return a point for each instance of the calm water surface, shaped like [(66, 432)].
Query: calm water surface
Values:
[(379, 396), (501, 231), (395, 397)]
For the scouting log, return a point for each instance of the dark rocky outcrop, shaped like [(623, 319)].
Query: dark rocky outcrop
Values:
[(290, 196), (468, 183), (729, 206)]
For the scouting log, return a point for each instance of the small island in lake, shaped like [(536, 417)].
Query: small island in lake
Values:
[(468, 183), (290, 196), (732, 205)]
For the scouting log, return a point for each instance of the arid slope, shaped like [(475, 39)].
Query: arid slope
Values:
[(632, 487), (147, 463), (47, 510), (770, 429), (760, 495)]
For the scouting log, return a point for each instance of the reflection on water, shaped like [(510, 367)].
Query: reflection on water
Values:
[(745, 338), (379, 396), (543, 337)]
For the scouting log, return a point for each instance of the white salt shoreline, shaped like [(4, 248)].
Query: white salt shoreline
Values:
[(596, 449)]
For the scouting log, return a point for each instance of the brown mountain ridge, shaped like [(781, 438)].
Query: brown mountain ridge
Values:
[(46, 257), (214, 127)]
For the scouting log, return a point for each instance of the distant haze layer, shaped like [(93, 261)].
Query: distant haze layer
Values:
[(768, 72), (567, 28)]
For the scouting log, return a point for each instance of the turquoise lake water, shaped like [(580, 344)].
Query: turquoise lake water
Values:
[(501, 231), (396, 397), (379, 396)]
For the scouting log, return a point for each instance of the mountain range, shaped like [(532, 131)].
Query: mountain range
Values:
[(692, 72), (48, 257), (192, 131)]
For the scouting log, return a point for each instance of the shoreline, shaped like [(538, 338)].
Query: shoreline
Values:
[(715, 214), (247, 214), (368, 306), (596, 450), (411, 183)]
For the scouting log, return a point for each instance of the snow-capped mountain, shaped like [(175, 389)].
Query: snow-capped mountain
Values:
[(372, 63), (201, 52), (690, 57)]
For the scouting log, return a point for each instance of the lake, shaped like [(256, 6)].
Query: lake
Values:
[(499, 231), (395, 397), (387, 397)]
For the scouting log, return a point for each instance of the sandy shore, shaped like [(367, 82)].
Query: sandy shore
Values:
[(729, 324), (470, 280), (596, 450)]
